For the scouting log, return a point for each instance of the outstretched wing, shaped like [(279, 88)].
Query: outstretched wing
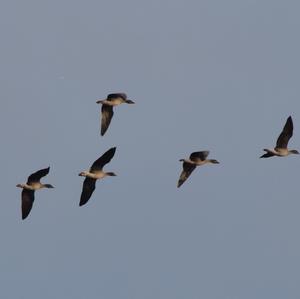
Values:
[(104, 159), (107, 114), (113, 96), (188, 168), (286, 134), (36, 176), (199, 155), (88, 188), (27, 202)]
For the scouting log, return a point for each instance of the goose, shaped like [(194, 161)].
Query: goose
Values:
[(196, 159), (33, 183), (113, 99), (95, 173), (281, 149)]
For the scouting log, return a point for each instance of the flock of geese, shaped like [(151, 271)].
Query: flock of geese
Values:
[(96, 171)]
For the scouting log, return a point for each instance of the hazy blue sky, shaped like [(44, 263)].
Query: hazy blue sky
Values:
[(217, 75)]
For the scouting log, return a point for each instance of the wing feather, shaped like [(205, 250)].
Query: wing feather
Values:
[(107, 114), (27, 202), (286, 134), (104, 159), (199, 155), (88, 188), (113, 96), (36, 176), (188, 168)]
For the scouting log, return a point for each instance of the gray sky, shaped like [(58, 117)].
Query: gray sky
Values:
[(217, 75)]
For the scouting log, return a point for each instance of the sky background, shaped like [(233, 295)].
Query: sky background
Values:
[(205, 75)]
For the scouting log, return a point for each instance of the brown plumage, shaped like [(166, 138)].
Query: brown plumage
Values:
[(33, 183), (107, 114), (94, 173), (189, 165), (281, 148), (113, 99)]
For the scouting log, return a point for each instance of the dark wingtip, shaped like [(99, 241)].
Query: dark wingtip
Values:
[(103, 131), (24, 215), (113, 149), (82, 202), (289, 119), (48, 169)]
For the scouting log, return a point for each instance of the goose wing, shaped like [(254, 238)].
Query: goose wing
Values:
[(286, 134), (27, 202), (107, 114), (199, 155), (113, 96), (36, 176), (188, 168), (104, 159), (88, 188)]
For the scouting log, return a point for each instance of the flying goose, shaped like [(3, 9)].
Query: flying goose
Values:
[(196, 159), (113, 99), (94, 174), (33, 183), (281, 149)]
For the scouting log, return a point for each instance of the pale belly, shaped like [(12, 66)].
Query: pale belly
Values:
[(114, 102), (281, 152), (197, 163), (33, 186), (97, 175)]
